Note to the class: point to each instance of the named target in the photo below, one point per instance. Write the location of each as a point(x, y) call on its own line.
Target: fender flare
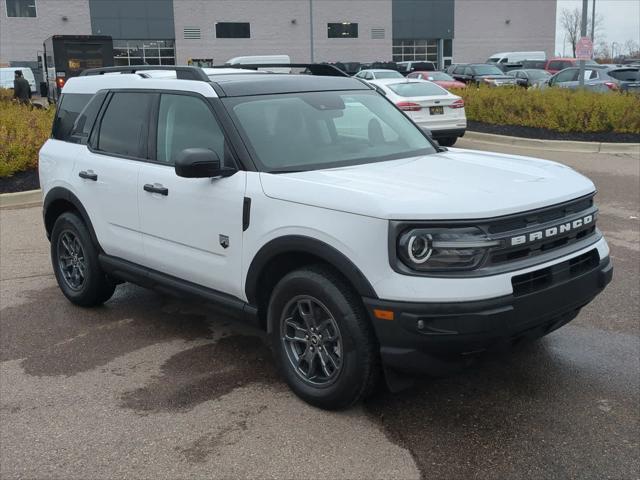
point(61, 193)
point(307, 245)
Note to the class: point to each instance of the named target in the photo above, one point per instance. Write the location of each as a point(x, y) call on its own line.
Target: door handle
point(156, 189)
point(89, 175)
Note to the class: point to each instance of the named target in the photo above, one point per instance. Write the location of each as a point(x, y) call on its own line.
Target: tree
point(571, 21)
point(631, 48)
point(602, 51)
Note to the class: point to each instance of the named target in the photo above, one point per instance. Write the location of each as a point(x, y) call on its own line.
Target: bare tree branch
point(570, 22)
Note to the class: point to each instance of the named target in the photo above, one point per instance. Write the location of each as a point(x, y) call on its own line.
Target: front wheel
point(323, 342)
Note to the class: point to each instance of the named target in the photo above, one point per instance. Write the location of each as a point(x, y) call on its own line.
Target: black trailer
point(65, 56)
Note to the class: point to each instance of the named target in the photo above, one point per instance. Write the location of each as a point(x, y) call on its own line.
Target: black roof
point(237, 85)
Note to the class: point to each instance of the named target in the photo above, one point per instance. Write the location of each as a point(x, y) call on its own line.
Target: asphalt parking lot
point(151, 387)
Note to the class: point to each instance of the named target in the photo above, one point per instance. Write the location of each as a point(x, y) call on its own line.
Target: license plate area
point(436, 110)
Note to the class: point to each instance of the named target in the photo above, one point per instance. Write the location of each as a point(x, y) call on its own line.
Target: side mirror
point(200, 163)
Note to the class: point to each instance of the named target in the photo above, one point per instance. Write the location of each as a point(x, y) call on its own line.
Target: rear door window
point(69, 107)
point(125, 124)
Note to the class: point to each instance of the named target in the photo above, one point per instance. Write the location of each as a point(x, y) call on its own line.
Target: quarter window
point(186, 122)
point(233, 30)
point(124, 125)
point(70, 106)
point(84, 123)
point(21, 8)
point(342, 30)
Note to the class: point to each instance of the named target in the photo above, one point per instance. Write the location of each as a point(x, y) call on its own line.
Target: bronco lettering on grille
point(551, 231)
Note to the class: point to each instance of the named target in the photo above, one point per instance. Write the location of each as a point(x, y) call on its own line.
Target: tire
point(447, 141)
point(74, 258)
point(344, 366)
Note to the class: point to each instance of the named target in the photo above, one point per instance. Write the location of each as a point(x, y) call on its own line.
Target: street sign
point(584, 49)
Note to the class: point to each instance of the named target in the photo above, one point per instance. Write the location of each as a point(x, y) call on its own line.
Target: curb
point(26, 199)
point(557, 145)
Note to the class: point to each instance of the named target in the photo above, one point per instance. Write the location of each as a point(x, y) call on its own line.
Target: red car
point(555, 64)
point(439, 78)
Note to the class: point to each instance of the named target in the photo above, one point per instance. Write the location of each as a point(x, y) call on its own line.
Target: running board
point(167, 284)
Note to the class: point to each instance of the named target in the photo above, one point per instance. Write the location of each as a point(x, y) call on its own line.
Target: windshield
point(493, 60)
point(416, 89)
point(487, 70)
point(314, 130)
point(387, 74)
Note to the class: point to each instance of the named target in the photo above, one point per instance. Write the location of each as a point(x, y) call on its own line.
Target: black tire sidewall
point(346, 389)
point(96, 285)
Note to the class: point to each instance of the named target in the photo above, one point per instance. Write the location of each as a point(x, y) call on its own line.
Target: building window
point(415, 50)
point(342, 30)
point(233, 30)
point(144, 52)
point(21, 8)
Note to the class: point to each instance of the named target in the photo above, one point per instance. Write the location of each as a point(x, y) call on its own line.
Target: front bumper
point(448, 132)
point(423, 334)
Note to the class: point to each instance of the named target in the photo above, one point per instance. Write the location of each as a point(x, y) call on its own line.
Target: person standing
point(21, 88)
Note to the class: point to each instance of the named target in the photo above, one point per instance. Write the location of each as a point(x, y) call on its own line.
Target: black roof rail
point(319, 69)
point(183, 72)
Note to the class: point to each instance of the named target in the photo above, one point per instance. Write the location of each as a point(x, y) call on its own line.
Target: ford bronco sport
point(313, 208)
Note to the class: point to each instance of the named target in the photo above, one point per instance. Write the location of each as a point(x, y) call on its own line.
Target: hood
point(457, 184)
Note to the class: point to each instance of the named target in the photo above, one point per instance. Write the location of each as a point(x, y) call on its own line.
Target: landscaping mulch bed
point(20, 182)
point(544, 134)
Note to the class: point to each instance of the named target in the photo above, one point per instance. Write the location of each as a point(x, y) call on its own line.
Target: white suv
point(315, 209)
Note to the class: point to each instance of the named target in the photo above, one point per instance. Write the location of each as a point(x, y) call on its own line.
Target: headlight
point(443, 249)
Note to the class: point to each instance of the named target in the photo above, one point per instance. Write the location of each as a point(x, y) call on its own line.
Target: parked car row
point(481, 74)
point(598, 78)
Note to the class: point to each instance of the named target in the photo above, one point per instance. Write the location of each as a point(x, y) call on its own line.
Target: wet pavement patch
point(538, 412)
point(229, 435)
point(204, 373)
point(55, 337)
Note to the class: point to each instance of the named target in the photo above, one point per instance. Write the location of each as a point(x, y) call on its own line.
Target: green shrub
point(553, 108)
point(23, 130)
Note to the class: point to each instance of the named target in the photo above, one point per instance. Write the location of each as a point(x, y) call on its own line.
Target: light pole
point(593, 21)
point(311, 28)
point(583, 33)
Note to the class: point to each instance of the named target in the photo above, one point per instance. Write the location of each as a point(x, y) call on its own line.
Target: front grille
point(548, 219)
point(544, 215)
point(499, 257)
point(545, 277)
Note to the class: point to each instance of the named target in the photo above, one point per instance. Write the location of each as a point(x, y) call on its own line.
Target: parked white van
point(7, 75)
point(262, 59)
point(515, 57)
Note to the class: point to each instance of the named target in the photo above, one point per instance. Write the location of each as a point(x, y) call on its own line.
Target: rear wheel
point(447, 141)
point(323, 342)
point(75, 263)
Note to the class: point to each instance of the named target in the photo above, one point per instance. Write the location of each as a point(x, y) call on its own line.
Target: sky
point(620, 20)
